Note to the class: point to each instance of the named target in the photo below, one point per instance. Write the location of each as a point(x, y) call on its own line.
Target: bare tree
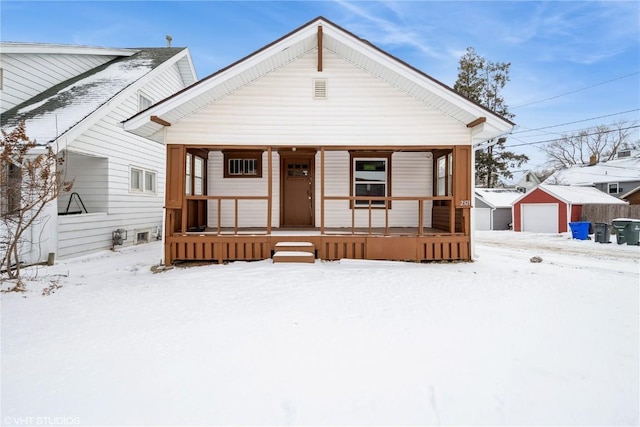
point(29, 181)
point(597, 144)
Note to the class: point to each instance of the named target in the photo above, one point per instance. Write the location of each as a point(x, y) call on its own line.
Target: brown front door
point(296, 176)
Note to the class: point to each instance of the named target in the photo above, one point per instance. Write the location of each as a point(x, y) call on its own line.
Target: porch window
point(613, 188)
point(444, 175)
point(370, 176)
point(10, 188)
point(195, 175)
point(142, 180)
point(243, 164)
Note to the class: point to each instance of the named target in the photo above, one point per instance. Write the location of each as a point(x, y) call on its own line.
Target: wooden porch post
point(270, 189)
point(322, 190)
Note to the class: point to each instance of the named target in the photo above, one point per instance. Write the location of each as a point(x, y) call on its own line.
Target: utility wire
point(574, 91)
point(577, 121)
point(555, 139)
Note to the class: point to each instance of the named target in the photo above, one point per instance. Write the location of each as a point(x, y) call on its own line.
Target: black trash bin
point(602, 234)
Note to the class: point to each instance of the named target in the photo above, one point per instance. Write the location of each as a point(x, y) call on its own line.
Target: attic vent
point(625, 153)
point(320, 89)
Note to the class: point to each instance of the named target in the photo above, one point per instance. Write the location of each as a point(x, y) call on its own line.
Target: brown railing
point(352, 199)
point(387, 202)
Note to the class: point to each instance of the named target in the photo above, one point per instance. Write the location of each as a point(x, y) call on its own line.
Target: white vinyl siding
point(26, 75)
point(361, 110)
point(110, 151)
point(411, 176)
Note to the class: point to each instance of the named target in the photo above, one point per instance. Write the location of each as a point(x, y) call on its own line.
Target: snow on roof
point(581, 195)
point(616, 170)
point(498, 197)
point(58, 109)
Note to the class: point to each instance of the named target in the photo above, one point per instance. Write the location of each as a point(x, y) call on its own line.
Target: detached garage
point(550, 208)
point(492, 208)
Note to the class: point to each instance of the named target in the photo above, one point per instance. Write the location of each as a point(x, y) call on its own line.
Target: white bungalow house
point(321, 141)
point(74, 98)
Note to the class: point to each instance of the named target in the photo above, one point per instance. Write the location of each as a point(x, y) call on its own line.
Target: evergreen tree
point(482, 81)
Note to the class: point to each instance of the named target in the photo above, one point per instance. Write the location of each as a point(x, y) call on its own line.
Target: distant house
point(614, 177)
point(524, 181)
point(321, 141)
point(550, 208)
point(493, 208)
point(74, 98)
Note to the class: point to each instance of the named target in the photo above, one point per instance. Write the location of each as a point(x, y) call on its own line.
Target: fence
point(607, 213)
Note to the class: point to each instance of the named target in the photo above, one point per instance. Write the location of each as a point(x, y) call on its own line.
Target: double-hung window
point(142, 180)
point(613, 188)
point(10, 188)
point(444, 175)
point(370, 173)
point(195, 175)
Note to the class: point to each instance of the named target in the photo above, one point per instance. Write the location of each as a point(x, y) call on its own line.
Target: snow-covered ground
point(499, 341)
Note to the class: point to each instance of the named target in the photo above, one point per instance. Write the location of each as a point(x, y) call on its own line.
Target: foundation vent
point(320, 89)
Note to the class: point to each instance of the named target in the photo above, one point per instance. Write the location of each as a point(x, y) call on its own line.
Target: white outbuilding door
point(539, 217)
point(483, 219)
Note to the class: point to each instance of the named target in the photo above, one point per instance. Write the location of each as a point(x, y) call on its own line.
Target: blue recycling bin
point(580, 230)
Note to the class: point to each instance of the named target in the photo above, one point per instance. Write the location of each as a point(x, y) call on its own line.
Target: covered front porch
point(346, 203)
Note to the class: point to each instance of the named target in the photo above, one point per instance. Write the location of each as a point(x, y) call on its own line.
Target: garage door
point(540, 217)
point(483, 218)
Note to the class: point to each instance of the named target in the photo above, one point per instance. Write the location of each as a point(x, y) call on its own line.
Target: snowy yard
point(499, 341)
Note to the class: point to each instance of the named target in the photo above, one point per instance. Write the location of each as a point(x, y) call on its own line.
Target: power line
point(555, 139)
point(574, 91)
point(577, 121)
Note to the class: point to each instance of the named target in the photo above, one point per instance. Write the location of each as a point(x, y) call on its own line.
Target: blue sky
point(573, 63)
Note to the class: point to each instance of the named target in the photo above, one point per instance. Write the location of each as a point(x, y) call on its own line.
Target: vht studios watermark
point(41, 421)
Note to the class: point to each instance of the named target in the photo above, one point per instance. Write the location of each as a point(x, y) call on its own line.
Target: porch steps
point(294, 252)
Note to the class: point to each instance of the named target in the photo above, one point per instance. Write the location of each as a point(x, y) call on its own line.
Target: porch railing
point(370, 207)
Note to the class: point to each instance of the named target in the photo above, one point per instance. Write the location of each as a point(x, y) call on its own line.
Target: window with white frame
point(142, 180)
point(144, 101)
point(371, 176)
point(194, 175)
point(613, 188)
point(444, 175)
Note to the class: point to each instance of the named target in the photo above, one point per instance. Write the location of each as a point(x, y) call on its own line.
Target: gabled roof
point(497, 197)
point(54, 112)
point(340, 42)
point(617, 170)
point(629, 193)
point(575, 195)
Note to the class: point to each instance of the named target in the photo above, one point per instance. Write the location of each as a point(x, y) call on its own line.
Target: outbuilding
point(550, 208)
point(493, 209)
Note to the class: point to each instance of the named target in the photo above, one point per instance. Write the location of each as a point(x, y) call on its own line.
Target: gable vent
point(320, 89)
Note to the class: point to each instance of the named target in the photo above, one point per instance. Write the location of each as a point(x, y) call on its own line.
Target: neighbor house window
point(144, 102)
point(195, 175)
point(444, 175)
point(242, 164)
point(142, 180)
point(613, 188)
point(10, 188)
point(370, 176)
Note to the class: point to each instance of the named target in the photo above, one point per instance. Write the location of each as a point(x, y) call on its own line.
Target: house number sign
point(465, 202)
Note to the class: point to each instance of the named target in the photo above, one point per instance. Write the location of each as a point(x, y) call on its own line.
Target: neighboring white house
point(522, 181)
point(75, 98)
point(493, 208)
point(615, 177)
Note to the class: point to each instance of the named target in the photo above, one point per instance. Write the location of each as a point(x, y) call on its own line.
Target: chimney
point(169, 38)
point(593, 160)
